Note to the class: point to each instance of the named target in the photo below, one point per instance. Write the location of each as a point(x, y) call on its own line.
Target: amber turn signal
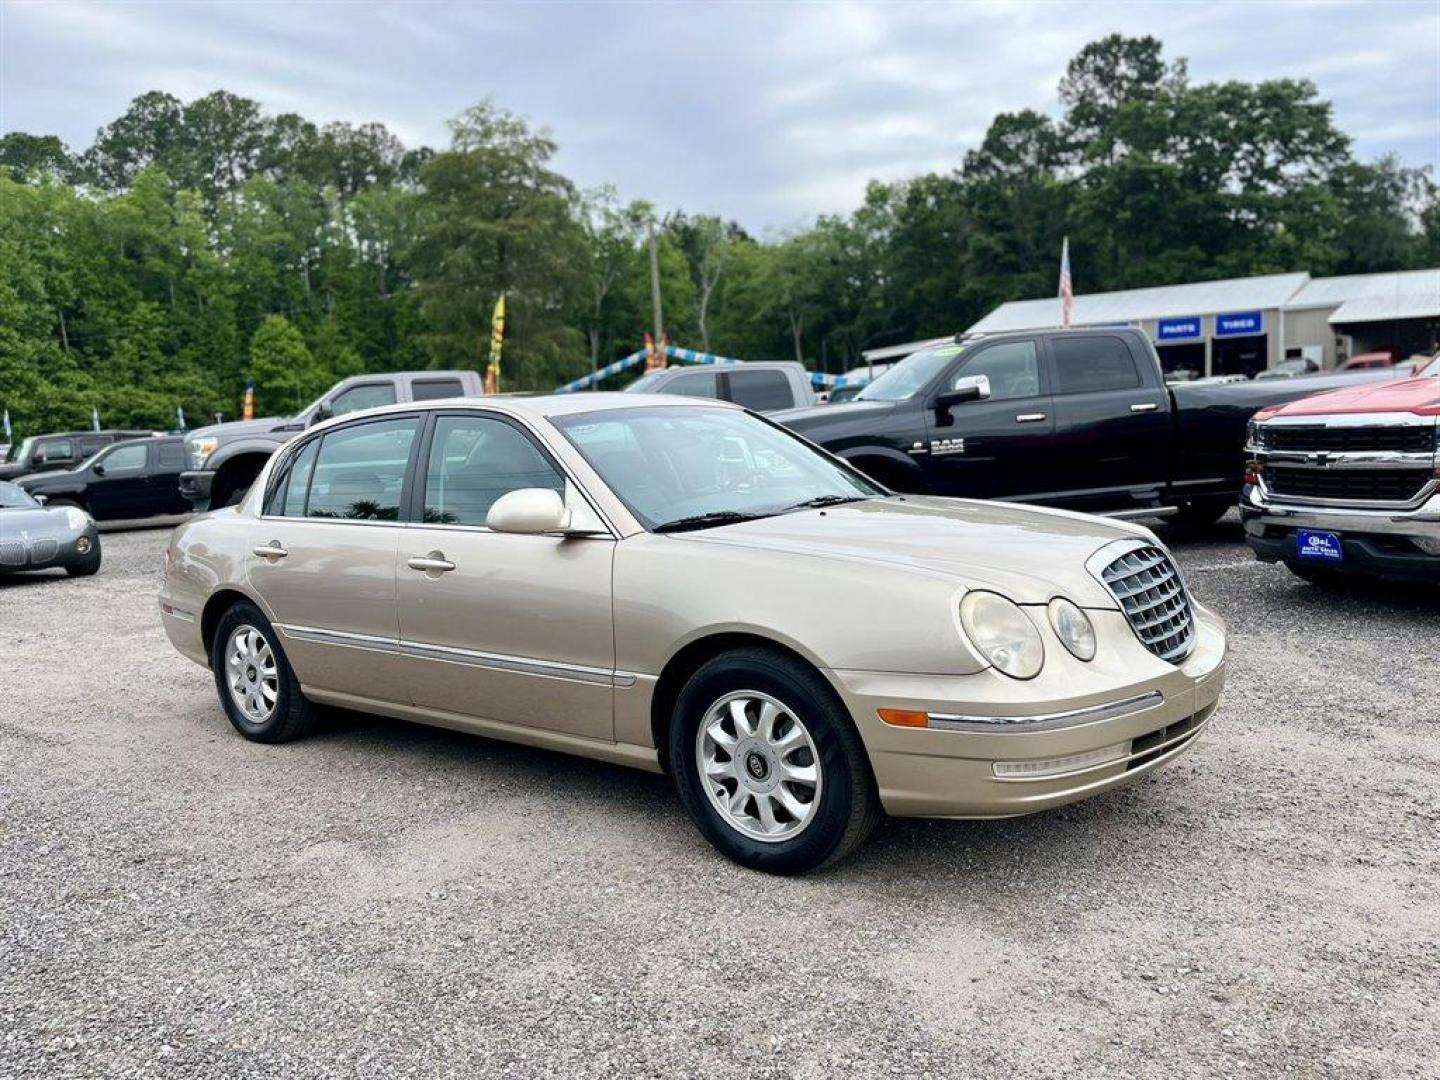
point(904, 717)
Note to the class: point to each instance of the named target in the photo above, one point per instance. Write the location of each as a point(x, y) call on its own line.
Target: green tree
point(286, 375)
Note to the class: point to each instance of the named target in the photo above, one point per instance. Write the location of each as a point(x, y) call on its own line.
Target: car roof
point(544, 406)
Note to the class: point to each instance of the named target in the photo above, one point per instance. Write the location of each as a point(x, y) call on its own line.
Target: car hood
point(818, 416)
point(236, 429)
point(35, 523)
point(1399, 395)
point(51, 478)
point(1027, 553)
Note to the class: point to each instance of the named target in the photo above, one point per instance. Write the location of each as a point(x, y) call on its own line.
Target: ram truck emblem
point(947, 446)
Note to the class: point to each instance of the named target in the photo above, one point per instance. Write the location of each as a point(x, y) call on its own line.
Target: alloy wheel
point(251, 674)
point(759, 766)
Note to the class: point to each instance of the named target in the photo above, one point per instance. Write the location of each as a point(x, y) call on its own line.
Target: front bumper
point(1380, 543)
point(195, 486)
point(22, 553)
point(1079, 728)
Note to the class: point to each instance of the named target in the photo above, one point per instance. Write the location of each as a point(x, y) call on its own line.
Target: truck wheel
point(769, 764)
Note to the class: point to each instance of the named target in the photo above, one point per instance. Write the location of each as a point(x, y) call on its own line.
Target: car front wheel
point(769, 764)
point(257, 686)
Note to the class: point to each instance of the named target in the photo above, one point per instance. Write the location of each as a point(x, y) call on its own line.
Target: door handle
point(434, 563)
point(272, 550)
point(1144, 406)
point(1030, 418)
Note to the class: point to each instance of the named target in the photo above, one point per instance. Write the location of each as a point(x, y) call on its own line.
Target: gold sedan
point(686, 587)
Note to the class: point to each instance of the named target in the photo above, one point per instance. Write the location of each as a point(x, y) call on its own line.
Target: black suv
point(59, 450)
point(135, 479)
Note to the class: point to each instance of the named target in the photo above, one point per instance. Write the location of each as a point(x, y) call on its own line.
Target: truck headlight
point(201, 449)
point(1002, 634)
point(1072, 626)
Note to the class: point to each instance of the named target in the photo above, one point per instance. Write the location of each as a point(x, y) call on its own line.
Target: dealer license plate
point(1318, 546)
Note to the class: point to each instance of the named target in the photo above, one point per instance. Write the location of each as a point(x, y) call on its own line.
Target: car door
point(1112, 424)
point(498, 626)
point(119, 482)
point(995, 446)
point(169, 463)
point(322, 556)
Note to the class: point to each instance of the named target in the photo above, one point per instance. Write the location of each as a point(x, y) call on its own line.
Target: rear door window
point(762, 391)
point(171, 455)
point(705, 384)
point(359, 472)
point(434, 389)
point(364, 396)
point(1091, 364)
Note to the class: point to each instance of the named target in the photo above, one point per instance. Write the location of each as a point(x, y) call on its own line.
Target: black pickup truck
point(1080, 419)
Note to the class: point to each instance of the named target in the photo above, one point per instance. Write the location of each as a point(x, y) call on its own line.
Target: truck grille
point(1154, 599)
point(1402, 439)
point(1372, 485)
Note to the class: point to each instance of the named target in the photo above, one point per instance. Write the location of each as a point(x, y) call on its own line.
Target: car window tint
point(1013, 368)
point(761, 390)
point(54, 449)
point(124, 459)
point(288, 496)
point(171, 455)
point(359, 471)
point(369, 396)
point(474, 460)
point(1090, 364)
point(693, 384)
point(432, 389)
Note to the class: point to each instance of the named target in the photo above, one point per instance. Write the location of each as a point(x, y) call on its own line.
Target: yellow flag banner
point(497, 339)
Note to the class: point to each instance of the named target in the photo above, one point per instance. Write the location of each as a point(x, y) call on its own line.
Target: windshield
point(911, 375)
point(21, 450)
point(14, 497)
point(673, 463)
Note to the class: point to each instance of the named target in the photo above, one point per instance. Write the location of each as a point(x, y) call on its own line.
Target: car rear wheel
point(257, 686)
point(769, 764)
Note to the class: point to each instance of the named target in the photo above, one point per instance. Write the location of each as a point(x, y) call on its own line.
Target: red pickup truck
point(1349, 482)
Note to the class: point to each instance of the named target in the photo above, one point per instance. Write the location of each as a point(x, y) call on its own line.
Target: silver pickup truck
point(224, 459)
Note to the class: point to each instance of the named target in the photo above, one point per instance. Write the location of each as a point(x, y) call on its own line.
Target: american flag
point(1067, 292)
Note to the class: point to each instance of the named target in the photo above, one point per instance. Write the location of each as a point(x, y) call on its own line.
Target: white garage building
point(1242, 325)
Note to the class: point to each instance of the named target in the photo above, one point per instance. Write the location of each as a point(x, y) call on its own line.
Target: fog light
point(83, 545)
point(1044, 768)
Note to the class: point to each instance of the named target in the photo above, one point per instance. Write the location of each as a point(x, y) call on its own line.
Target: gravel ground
point(388, 900)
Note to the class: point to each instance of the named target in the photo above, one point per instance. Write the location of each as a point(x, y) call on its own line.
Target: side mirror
point(98, 469)
point(529, 510)
point(965, 388)
point(322, 412)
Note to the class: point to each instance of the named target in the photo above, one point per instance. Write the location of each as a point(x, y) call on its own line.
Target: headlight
point(1072, 627)
point(76, 518)
point(201, 449)
point(1254, 435)
point(1002, 633)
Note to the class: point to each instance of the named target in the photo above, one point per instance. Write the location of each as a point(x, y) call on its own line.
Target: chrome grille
point(1373, 485)
point(44, 549)
point(12, 553)
point(1153, 597)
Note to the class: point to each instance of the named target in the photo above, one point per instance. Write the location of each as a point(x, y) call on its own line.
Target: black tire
point(848, 807)
point(87, 566)
point(291, 716)
point(1201, 513)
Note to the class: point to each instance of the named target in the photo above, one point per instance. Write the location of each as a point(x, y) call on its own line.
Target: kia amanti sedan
point(685, 587)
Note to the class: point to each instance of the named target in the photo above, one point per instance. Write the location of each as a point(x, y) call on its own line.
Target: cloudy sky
point(766, 112)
